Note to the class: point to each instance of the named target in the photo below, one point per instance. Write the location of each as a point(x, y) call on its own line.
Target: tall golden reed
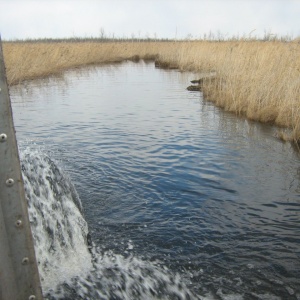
point(31, 60)
point(254, 78)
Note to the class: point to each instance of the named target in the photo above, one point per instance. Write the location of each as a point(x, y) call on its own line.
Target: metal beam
point(19, 277)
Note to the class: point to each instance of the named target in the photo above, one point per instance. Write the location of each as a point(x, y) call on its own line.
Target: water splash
point(70, 266)
point(58, 226)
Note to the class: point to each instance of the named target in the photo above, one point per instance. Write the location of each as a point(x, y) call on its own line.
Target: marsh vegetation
point(259, 79)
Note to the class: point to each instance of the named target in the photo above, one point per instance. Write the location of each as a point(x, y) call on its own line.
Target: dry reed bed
point(258, 79)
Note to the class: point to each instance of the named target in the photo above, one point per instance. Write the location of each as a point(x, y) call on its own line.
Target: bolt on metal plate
point(25, 261)
point(10, 182)
point(18, 223)
point(3, 137)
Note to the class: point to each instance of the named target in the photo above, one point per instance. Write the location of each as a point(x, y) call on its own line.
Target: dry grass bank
point(258, 79)
point(32, 60)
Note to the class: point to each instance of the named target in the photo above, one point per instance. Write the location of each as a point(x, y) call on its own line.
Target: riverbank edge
point(66, 58)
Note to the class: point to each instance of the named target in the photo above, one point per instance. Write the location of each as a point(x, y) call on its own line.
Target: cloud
point(165, 18)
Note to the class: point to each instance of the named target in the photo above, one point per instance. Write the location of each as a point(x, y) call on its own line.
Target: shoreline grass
point(258, 79)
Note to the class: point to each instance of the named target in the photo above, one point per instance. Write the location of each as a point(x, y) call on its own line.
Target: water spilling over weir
point(70, 267)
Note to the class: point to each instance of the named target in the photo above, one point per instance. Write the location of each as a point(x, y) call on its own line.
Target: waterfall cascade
point(70, 266)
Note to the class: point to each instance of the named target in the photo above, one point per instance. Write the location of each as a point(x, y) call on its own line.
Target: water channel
point(139, 189)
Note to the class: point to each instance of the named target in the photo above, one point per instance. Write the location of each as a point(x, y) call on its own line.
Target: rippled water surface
point(165, 176)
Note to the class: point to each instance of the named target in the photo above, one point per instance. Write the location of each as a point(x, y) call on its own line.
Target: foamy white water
point(59, 229)
point(70, 267)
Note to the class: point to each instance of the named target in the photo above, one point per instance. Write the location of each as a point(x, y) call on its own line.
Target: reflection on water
point(164, 175)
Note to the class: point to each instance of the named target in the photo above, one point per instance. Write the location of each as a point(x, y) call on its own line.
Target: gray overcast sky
point(162, 18)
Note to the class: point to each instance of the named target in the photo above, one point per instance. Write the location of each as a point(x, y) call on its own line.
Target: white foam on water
point(229, 297)
point(58, 227)
point(72, 268)
point(69, 267)
point(266, 297)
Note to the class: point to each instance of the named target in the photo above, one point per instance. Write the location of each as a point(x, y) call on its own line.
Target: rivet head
point(3, 137)
point(10, 182)
point(25, 261)
point(18, 223)
point(31, 297)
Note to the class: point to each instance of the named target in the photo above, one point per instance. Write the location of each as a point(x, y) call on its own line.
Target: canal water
point(139, 189)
